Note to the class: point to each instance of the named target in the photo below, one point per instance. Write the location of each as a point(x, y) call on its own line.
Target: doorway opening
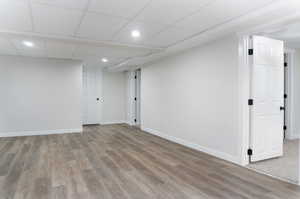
point(137, 97)
point(271, 142)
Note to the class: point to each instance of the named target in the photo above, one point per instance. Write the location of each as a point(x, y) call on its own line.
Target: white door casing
point(138, 97)
point(267, 91)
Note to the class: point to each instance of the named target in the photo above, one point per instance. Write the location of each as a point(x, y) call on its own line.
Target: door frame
point(134, 91)
point(244, 83)
point(138, 97)
point(290, 115)
point(245, 93)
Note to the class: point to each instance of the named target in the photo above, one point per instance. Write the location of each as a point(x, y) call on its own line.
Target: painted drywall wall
point(114, 106)
point(296, 96)
point(192, 98)
point(39, 96)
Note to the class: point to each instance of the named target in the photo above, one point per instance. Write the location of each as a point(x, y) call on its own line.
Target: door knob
point(282, 108)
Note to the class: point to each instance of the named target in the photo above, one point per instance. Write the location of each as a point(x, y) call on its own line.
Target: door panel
point(267, 90)
point(91, 105)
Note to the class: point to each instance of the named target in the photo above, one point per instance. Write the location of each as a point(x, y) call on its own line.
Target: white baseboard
point(44, 132)
point(114, 122)
point(131, 123)
point(197, 147)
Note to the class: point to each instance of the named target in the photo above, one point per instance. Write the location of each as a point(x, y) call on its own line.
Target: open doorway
point(137, 97)
point(270, 133)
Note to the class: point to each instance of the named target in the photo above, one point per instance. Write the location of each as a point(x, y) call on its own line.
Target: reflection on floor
point(285, 167)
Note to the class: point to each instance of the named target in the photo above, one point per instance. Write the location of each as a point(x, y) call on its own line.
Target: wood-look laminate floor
point(121, 162)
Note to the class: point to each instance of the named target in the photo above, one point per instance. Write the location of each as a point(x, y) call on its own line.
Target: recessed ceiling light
point(28, 43)
point(104, 60)
point(135, 34)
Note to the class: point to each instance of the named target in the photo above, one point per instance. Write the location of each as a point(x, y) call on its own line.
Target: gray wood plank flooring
point(123, 162)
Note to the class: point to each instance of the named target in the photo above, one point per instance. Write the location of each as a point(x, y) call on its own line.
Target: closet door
point(268, 94)
point(91, 95)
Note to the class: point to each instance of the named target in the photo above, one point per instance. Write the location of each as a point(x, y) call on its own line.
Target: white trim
point(291, 91)
point(133, 91)
point(115, 122)
point(244, 95)
point(130, 123)
point(130, 97)
point(137, 85)
point(44, 132)
point(197, 147)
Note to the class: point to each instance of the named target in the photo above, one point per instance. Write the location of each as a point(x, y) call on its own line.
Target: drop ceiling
point(89, 30)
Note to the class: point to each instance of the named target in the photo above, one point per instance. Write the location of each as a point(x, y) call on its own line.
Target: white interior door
point(91, 96)
point(267, 91)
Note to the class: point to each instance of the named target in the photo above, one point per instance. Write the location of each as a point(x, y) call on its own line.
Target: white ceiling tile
point(72, 4)
point(219, 12)
point(6, 47)
point(108, 51)
point(169, 11)
point(147, 31)
point(123, 8)
point(84, 57)
point(169, 37)
point(124, 52)
point(62, 50)
point(96, 60)
point(88, 50)
point(54, 20)
point(100, 27)
point(93, 61)
point(15, 15)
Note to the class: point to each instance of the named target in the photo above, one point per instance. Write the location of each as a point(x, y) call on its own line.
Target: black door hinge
point(250, 152)
point(135, 120)
point(284, 127)
point(250, 102)
point(134, 77)
point(285, 64)
point(285, 96)
point(250, 51)
point(135, 99)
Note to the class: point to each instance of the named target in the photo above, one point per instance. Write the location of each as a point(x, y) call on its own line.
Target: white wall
point(192, 98)
point(114, 107)
point(296, 90)
point(39, 96)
